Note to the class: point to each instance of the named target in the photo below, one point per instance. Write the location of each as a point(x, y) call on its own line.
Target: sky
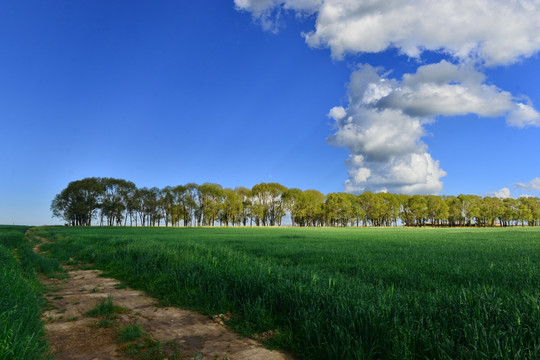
point(414, 97)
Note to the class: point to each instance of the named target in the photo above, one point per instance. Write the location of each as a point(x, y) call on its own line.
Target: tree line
point(114, 202)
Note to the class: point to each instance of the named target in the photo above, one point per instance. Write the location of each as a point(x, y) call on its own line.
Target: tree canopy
point(112, 202)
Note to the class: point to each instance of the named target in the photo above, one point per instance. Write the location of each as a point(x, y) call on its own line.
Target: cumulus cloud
point(382, 125)
point(533, 185)
point(503, 193)
point(387, 153)
point(449, 89)
point(495, 31)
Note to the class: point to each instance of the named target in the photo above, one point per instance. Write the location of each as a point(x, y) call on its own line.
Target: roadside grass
point(338, 293)
point(22, 335)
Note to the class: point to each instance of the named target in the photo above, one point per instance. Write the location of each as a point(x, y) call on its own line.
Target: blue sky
point(237, 93)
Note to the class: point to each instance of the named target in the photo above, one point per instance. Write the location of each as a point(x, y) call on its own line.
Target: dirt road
point(171, 333)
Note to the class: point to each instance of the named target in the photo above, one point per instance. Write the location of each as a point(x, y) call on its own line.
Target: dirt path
point(181, 334)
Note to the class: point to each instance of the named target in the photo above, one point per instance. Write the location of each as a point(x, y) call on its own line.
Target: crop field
point(349, 293)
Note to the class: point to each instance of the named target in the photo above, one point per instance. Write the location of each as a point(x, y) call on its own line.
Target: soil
point(73, 335)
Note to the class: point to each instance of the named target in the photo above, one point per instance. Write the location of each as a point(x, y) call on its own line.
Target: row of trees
point(109, 201)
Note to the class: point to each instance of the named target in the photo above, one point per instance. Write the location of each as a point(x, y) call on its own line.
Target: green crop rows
point(339, 293)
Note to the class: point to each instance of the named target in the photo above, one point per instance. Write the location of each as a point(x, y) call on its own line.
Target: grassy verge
point(21, 331)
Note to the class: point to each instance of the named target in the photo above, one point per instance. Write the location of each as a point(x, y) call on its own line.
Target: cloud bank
point(382, 124)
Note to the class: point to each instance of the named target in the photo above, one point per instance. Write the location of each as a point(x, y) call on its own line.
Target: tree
point(525, 214)
point(167, 204)
point(291, 197)
point(115, 200)
point(78, 202)
point(187, 196)
point(232, 209)
point(443, 212)
point(390, 208)
point(534, 205)
point(469, 207)
point(437, 209)
point(373, 206)
point(210, 197)
point(309, 208)
point(267, 203)
point(509, 212)
point(489, 210)
point(338, 209)
point(245, 196)
point(127, 192)
point(147, 206)
point(111, 201)
point(416, 210)
point(455, 216)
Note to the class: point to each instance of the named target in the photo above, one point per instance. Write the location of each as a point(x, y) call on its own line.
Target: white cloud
point(495, 31)
point(503, 193)
point(409, 173)
point(255, 6)
point(523, 115)
point(259, 6)
point(449, 89)
point(533, 185)
point(268, 12)
point(337, 113)
point(387, 153)
point(382, 124)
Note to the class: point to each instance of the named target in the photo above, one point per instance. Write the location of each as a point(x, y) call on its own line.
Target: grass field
point(339, 293)
point(22, 335)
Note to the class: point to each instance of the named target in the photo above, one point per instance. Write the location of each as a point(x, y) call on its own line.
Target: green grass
point(339, 293)
point(146, 349)
point(130, 333)
point(21, 331)
point(105, 307)
point(106, 311)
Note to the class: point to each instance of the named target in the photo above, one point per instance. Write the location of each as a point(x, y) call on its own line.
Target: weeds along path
point(157, 332)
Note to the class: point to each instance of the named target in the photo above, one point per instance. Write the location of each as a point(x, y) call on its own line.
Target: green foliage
point(113, 201)
point(340, 293)
point(21, 331)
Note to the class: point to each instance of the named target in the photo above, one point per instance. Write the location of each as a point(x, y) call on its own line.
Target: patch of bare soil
point(75, 336)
